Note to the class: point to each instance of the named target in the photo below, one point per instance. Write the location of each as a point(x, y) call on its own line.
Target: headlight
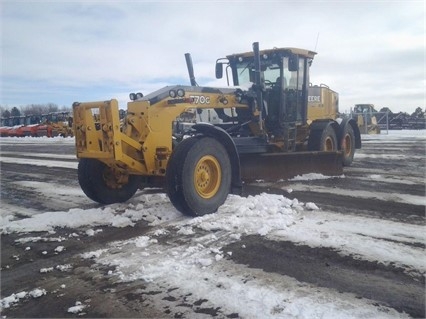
point(139, 95)
point(172, 94)
point(132, 96)
point(180, 92)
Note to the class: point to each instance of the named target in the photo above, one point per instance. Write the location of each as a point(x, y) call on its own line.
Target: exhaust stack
point(190, 67)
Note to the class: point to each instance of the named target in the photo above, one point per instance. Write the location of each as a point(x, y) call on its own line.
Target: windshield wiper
point(249, 63)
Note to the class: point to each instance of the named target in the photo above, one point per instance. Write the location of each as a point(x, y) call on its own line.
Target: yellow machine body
point(267, 131)
point(143, 144)
point(323, 103)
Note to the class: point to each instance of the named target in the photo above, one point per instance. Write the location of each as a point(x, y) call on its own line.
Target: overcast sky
point(65, 51)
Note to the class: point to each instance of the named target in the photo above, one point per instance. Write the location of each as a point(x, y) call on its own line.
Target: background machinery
point(371, 121)
point(365, 115)
point(264, 133)
point(50, 125)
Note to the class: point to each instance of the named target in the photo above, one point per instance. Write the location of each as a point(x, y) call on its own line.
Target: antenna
point(316, 43)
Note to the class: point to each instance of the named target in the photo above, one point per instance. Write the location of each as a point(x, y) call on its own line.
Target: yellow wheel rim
point(207, 177)
point(329, 144)
point(347, 146)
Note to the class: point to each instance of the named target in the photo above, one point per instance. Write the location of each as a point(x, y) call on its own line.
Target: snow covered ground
point(197, 265)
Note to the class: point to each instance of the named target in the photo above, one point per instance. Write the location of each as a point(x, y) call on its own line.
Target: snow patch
point(313, 176)
point(15, 298)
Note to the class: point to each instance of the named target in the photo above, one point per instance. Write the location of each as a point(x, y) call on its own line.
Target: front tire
point(105, 185)
point(198, 176)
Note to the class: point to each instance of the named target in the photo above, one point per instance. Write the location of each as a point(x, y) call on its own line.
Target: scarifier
point(263, 132)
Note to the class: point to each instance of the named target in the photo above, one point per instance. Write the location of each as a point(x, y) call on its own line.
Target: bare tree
point(39, 109)
point(51, 107)
point(32, 109)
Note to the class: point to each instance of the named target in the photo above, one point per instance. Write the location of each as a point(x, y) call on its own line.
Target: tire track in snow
point(190, 257)
point(40, 161)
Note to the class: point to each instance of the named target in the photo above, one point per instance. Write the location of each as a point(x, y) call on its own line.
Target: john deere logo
point(314, 98)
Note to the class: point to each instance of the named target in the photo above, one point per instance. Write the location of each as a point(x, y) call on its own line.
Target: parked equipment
point(50, 125)
point(264, 133)
point(387, 120)
point(365, 115)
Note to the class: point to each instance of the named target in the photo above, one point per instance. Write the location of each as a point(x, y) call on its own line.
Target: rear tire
point(99, 182)
point(198, 176)
point(347, 145)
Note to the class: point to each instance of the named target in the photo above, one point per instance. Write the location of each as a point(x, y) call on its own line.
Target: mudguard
point(223, 137)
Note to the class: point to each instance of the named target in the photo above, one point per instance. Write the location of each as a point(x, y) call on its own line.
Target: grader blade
point(273, 167)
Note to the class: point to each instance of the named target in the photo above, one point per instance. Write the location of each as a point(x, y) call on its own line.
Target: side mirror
point(219, 70)
point(293, 63)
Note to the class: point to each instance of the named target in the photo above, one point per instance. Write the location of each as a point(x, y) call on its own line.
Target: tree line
point(39, 109)
point(418, 113)
point(32, 109)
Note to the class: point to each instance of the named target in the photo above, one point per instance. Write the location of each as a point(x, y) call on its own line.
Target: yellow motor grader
point(264, 134)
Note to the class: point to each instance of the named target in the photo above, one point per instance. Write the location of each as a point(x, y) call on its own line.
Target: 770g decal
point(200, 99)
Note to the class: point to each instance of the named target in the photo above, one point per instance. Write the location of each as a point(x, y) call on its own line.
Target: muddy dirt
point(90, 283)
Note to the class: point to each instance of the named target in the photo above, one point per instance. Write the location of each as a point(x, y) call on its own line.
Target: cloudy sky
point(65, 51)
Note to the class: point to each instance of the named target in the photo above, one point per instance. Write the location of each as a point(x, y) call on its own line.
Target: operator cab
point(284, 76)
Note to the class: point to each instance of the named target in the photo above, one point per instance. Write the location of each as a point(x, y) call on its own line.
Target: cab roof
point(283, 51)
